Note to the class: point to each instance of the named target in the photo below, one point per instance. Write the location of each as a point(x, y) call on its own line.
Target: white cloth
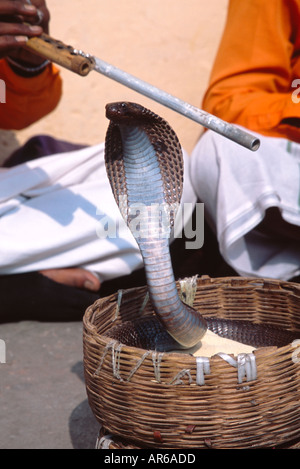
point(59, 211)
point(237, 186)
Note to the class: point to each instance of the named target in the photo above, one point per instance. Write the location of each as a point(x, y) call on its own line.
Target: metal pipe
point(209, 121)
point(82, 63)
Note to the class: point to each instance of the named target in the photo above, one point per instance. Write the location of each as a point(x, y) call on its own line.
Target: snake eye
point(124, 109)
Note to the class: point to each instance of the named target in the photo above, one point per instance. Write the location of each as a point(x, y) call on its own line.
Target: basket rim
point(203, 281)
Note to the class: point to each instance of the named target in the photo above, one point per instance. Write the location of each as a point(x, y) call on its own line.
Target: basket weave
point(106, 440)
point(174, 400)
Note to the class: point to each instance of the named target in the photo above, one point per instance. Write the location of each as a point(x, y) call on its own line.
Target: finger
point(8, 7)
point(19, 29)
point(41, 18)
point(11, 43)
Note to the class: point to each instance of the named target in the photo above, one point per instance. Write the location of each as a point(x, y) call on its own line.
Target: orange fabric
point(257, 61)
point(28, 99)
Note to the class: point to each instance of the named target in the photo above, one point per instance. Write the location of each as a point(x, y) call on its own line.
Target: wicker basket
point(174, 400)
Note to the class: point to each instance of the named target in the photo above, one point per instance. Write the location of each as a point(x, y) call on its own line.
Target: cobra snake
point(144, 165)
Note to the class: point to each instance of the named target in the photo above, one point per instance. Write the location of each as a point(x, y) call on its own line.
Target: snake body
point(144, 165)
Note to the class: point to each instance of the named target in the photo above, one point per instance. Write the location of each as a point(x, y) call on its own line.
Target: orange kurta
point(255, 81)
point(28, 99)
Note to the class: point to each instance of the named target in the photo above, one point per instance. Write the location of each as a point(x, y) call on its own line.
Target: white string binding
point(156, 360)
point(103, 442)
point(177, 379)
point(116, 354)
point(118, 306)
point(203, 368)
point(245, 364)
point(137, 366)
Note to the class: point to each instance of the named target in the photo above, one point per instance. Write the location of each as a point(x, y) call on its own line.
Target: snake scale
point(144, 164)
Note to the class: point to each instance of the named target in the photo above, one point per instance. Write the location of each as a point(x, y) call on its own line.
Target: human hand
point(18, 21)
point(42, 17)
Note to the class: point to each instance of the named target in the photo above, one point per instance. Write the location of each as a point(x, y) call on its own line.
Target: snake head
point(127, 113)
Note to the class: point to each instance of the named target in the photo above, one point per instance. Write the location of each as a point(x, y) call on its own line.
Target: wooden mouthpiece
point(61, 54)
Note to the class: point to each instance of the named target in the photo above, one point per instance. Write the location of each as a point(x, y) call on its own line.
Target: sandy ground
point(168, 43)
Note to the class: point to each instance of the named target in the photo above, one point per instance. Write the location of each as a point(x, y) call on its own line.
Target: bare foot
point(74, 277)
